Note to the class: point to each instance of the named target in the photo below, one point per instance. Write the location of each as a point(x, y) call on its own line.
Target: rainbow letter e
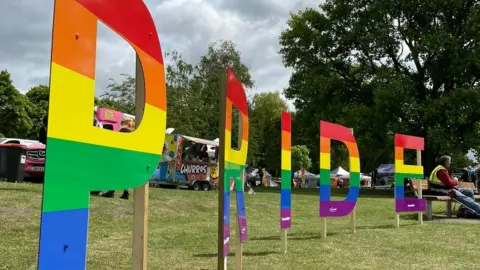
point(234, 159)
point(81, 157)
point(403, 171)
point(328, 208)
point(286, 184)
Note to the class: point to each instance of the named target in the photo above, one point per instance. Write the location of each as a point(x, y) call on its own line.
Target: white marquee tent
point(339, 172)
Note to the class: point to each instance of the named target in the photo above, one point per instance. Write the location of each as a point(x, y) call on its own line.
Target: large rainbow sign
point(403, 171)
point(328, 208)
point(103, 160)
point(234, 159)
point(286, 184)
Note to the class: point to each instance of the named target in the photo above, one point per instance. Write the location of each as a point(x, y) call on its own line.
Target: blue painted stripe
point(240, 204)
point(352, 195)
point(63, 240)
point(399, 192)
point(226, 207)
point(325, 193)
point(286, 198)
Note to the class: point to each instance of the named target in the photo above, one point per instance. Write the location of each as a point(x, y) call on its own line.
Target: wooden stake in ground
point(140, 194)
point(222, 260)
point(353, 214)
point(286, 182)
point(419, 189)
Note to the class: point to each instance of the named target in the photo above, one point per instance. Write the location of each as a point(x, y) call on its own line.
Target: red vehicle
point(35, 158)
point(35, 161)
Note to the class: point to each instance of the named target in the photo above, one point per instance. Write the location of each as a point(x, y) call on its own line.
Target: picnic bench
point(439, 198)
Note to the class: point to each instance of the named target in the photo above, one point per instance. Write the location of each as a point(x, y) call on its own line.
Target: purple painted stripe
point(242, 222)
point(410, 205)
point(226, 239)
point(335, 209)
point(285, 218)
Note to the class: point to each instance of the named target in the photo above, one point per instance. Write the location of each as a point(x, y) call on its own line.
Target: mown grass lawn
point(183, 231)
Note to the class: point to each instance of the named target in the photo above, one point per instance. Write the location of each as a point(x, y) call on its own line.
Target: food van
point(187, 161)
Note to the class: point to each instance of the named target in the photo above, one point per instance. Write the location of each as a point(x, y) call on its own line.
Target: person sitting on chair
point(440, 181)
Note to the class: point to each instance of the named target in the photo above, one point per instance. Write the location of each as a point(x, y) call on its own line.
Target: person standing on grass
point(440, 181)
point(128, 125)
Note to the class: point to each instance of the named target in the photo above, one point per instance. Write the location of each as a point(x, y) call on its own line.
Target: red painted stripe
point(130, 19)
point(409, 142)
point(336, 132)
point(235, 92)
point(286, 122)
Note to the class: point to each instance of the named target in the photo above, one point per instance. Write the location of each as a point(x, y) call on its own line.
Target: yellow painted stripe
point(354, 164)
point(402, 168)
point(71, 116)
point(325, 161)
point(286, 160)
point(238, 157)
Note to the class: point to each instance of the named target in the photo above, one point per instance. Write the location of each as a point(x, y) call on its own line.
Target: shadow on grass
point(364, 193)
point(252, 254)
point(295, 236)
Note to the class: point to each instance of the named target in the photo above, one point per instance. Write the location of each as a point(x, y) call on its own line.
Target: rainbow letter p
point(81, 157)
point(234, 159)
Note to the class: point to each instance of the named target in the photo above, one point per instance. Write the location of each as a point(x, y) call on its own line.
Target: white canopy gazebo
point(340, 172)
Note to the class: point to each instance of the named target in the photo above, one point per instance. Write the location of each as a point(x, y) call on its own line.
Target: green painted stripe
point(325, 177)
point(74, 169)
point(399, 177)
point(286, 179)
point(356, 177)
point(233, 170)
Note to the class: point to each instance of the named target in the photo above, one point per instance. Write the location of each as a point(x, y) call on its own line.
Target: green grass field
point(183, 233)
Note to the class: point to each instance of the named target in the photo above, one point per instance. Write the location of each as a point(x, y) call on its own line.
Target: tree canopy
point(385, 67)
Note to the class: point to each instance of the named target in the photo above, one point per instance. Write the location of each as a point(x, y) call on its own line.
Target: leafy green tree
point(39, 96)
point(385, 67)
point(119, 96)
point(205, 85)
point(265, 131)
point(14, 118)
point(301, 157)
point(38, 99)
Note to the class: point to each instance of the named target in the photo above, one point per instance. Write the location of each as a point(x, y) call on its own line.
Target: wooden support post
point(353, 215)
point(353, 220)
point(419, 186)
point(324, 227)
point(429, 210)
point(238, 249)
point(221, 260)
point(140, 194)
point(283, 239)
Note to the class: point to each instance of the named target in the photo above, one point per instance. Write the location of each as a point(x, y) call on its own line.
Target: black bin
point(12, 162)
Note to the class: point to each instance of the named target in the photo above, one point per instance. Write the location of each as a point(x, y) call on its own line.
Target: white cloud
point(187, 26)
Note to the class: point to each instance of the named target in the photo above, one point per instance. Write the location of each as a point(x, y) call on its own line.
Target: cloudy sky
point(185, 25)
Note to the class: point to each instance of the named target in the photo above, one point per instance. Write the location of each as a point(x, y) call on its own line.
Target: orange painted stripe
point(399, 153)
point(352, 149)
point(154, 74)
point(286, 141)
point(244, 127)
point(229, 120)
point(324, 145)
point(68, 51)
